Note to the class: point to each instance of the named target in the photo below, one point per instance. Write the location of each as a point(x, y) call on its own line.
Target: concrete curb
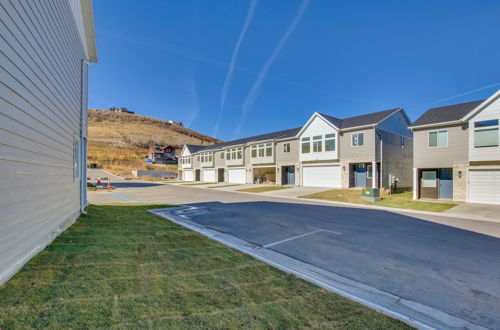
point(407, 311)
point(374, 207)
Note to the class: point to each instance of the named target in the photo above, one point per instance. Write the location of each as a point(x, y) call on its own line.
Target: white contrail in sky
point(459, 95)
point(254, 91)
point(229, 75)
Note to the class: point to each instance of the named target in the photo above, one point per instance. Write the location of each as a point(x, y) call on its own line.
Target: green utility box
point(370, 194)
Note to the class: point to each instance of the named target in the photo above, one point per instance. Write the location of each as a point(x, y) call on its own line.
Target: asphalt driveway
point(449, 269)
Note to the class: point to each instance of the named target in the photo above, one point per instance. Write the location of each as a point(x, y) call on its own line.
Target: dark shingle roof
point(194, 147)
point(445, 114)
point(264, 137)
point(362, 120)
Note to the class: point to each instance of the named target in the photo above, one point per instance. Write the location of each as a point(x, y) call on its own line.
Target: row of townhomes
point(46, 47)
point(370, 150)
point(450, 153)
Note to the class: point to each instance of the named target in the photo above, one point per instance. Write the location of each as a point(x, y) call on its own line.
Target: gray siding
point(396, 160)
point(218, 162)
point(287, 157)
point(457, 150)
point(42, 94)
point(367, 151)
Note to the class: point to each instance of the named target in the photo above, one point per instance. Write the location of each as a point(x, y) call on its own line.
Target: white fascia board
point(314, 116)
point(483, 105)
point(88, 25)
point(357, 128)
point(444, 123)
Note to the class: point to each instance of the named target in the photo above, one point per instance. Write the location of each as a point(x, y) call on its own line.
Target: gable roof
point(446, 114)
point(362, 120)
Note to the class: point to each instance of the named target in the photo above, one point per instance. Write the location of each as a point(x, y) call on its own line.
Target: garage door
point(208, 176)
point(321, 176)
point(188, 176)
point(484, 186)
point(236, 175)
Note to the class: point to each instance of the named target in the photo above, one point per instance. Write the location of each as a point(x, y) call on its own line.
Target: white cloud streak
point(459, 95)
point(254, 91)
point(232, 64)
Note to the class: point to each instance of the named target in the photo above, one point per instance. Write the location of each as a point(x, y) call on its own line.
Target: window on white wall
point(317, 143)
point(330, 142)
point(76, 158)
point(358, 139)
point(286, 147)
point(269, 149)
point(254, 152)
point(486, 133)
point(306, 145)
point(438, 139)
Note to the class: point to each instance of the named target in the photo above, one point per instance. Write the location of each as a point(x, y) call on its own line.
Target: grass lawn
point(199, 183)
point(228, 185)
point(263, 189)
point(120, 266)
point(400, 200)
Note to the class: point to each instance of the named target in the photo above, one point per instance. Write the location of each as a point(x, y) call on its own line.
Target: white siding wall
point(492, 111)
point(41, 101)
point(319, 127)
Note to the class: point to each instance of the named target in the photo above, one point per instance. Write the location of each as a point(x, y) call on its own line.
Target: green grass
point(122, 267)
point(263, 189)
point(228, 185)
point(200, 183)
point(400, 200)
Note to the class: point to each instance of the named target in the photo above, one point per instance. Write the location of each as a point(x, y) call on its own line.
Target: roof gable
point(361, 120)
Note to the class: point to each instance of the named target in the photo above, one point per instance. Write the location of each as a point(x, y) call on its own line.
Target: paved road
point(447, 268)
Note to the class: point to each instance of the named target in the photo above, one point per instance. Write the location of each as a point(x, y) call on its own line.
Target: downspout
point(83, 142)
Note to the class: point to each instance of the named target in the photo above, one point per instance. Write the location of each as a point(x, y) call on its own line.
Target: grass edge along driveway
point(121, 266)
point(400, 200)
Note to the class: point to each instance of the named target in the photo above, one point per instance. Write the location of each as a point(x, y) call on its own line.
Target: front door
point(360, 180)
point(220, 175)
point(289, 173)
point(446, 183)
point(197, 175)
point(429, 184)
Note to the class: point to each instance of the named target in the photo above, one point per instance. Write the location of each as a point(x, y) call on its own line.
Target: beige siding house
point(325, 152)
point(456, 152)
point(45, 50)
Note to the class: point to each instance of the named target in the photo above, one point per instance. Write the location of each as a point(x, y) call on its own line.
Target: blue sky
point(262, 66)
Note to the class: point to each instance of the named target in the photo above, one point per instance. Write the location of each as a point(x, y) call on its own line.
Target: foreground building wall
point(43, 100)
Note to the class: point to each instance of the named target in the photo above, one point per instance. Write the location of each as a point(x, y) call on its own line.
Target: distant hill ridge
point(118, 141)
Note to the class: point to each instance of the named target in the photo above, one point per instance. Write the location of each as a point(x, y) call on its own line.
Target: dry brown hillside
point(118, 141)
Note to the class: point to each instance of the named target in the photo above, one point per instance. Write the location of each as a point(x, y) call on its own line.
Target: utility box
point(370, 194)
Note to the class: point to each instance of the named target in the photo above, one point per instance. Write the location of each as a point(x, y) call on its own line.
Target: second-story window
point(239, 153)
point(222, 155)
point(358, 139)
point(254, 152)
point(269, 149)
point(317, 143)
point(306, 145)
point(260, 149)
point(486, 133)
point(330, 142)
point(286, 147)
point(438, 139)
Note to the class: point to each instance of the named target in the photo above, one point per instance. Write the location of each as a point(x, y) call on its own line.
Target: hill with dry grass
point(118, 142)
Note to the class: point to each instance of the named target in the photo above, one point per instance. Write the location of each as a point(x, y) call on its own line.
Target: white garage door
point(484, 186)
point(208, 176)
point(236, 175)
point(321, 176)
point(188, 176)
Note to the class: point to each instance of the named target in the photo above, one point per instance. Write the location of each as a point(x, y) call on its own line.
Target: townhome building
point(372, 150)
point(457, 154)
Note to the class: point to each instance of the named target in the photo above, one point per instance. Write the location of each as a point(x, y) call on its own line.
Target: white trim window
point(318, 143)
point(369, 171)
point(438, 139)
point(486, 133)
point(357, 139)
point(262, 150)
point(306, 145)
point(330, 142)
point(222, 155)
point(234, 153)
point(286, 148)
